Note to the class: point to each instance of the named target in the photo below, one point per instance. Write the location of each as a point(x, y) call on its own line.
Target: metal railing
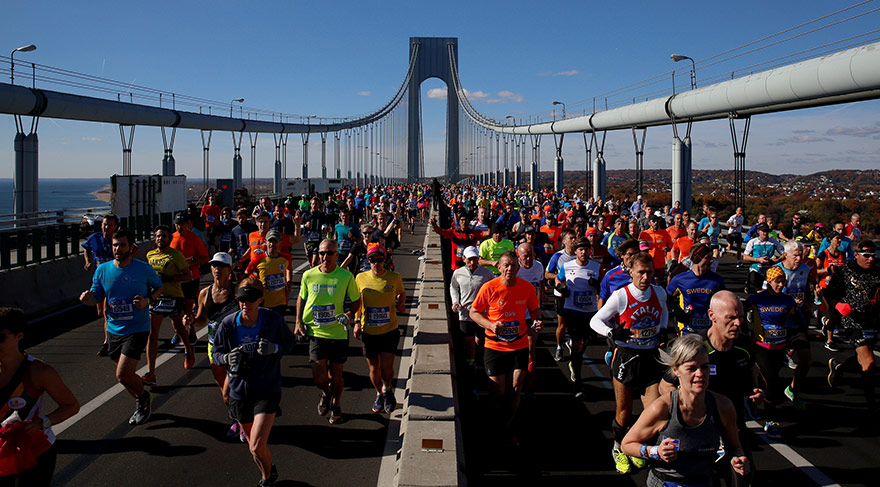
point(48, 217)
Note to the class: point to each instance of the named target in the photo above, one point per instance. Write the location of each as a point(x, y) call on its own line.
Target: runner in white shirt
point(734, 234)
point(532, 271)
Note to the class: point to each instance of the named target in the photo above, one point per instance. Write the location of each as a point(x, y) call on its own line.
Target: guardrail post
point(5, 250)
point(62, 241)
point(37, 245)
point(51, 240)
point(21, 240)
point(74, 238)
point(59, 217)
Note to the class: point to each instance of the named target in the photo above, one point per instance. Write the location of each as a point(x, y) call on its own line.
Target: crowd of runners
point(638, 278)
point(642, 279)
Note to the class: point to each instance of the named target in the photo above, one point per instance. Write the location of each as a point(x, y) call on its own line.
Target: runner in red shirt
point(211, 215)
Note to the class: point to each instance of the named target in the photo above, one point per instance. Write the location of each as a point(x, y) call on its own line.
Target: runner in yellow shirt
point(173, 268)
point(383, 297)
point(275, 271)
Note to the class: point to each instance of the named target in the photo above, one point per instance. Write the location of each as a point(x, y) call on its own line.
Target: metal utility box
point(147, 194)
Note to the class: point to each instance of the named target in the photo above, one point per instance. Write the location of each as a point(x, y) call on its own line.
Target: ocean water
point(57, 194)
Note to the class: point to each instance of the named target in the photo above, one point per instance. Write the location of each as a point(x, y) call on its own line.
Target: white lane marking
point(117, 388)
point(388, 465)
point(793, 457)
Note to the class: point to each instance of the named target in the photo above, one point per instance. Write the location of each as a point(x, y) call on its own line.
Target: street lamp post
point(678, 57)
point(234, 100)
point(27, 48)
point(563, 107)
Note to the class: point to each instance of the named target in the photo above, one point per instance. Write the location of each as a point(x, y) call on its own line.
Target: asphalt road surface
point(184, 443)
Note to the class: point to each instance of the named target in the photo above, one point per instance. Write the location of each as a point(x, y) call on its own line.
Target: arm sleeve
point(454, 290)
point(221, 344)
point(561, 274)
point(664, 317)
point(601, 321)
point(97, 288)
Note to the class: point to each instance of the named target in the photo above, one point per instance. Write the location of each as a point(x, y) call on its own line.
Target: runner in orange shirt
point(502, 308)
point(676, 231)
point(196, 254)
point(659, 243)
point(552, 230)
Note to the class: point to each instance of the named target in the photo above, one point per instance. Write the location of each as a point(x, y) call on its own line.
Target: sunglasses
point(377, 260)
point(326, 252)
point(867, 253)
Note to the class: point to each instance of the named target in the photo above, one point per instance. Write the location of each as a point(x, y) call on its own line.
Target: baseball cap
point(471, 252)
point(644, 245)
point(654, 218)
point(592, 231)
point(376, 249)
point(498, 228)
point(528, 229)
point(221, 258)
point(833, 234)
point(181, 218)
point(763, 227)
point(273, 234)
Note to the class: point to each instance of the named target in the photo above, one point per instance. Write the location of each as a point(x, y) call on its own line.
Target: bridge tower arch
point(433, 61)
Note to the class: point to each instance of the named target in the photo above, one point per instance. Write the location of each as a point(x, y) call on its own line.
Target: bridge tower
point(433, 61)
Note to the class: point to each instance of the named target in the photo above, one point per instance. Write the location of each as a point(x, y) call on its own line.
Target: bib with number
point(164, 305)
point(324, 315)
point(378, 316)
point(121, 309)
point(275, 282)
point(582, 299)
point(313, 236)
point(508, 332)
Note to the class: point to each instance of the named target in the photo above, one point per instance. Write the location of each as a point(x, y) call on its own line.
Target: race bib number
point(164, 305)
point(869, 333)
point(582, 299)
point(379, 316)
point(344, 245)
point(701, 322)
point(209, 218)
point(459, 252)
point(324, 315)
point(275, 282)
point(313, 236)
point(644, 333)
point(226, 238)
point(508, 332)
point(121, 309)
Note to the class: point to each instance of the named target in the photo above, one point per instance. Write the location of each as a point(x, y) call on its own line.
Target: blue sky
point(339, 59)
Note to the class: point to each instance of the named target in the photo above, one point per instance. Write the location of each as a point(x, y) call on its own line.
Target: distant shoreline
point(102, 194)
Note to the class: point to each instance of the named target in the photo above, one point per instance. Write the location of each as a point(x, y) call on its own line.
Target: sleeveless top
point(698, 447)
point(25, 400)
point(643, 319)
point(217, 311)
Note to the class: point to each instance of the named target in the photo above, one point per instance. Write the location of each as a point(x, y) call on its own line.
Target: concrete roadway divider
point(430, 407)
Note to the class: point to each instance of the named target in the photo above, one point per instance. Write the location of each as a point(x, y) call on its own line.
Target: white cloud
point(364, 93)
point(437, 93)
point(510, 96)
point(91, 139)
point(855, 131)
point(476, 95)
point(801, 139)
point(570, 72)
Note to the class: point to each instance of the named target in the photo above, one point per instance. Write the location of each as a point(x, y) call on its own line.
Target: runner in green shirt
point(320, 315)
point(492, 248)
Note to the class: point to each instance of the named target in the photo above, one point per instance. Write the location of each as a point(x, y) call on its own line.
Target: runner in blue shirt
point(689, 293)
point(128, 285)
point(97, 250)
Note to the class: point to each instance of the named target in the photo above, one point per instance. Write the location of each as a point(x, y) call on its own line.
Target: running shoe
point(193, 339)
point(390, 402)
point(189, 360)
point(149, 379)
point(831, 347)
point(791, 359)
point(746, 290)
point(638, 462)
point(795, 398)
point(834, 372)
point(621, 461)
point(572, 375)
point(323, 405)
point(568, 345)
point(175, 340)
point(739, 263)
point(233, 430)
point(143, 410)
point(104, 350)
point(751, 409)
point(335, 415)
point(379, 403)
point(558, 355)
point(771, 429)
point(273, 477)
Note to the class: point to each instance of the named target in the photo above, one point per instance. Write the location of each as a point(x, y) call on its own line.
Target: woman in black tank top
point(694, 426)
point(215, 303)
